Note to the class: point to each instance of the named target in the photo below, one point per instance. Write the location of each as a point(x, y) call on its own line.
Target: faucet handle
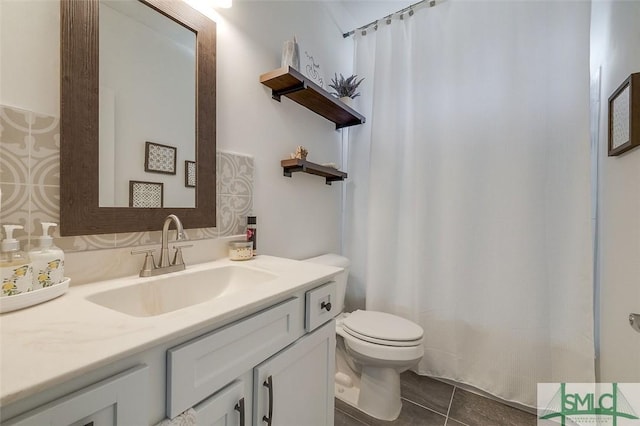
point(177, 257)
point(149, 264)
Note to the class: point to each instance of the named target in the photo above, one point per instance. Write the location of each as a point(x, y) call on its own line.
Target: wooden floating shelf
point(292, 84)
point(296, 165)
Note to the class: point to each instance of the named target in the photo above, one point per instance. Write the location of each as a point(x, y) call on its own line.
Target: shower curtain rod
point(388, 17)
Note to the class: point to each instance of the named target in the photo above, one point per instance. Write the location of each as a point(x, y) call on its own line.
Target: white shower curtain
point(468, 198)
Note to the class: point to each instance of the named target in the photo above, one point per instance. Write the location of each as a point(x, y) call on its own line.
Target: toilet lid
point(382, 328)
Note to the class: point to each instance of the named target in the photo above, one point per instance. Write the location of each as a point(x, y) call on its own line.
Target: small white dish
point(23, 300)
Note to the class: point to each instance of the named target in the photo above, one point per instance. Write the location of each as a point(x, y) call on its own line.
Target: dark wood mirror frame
point(80, 213)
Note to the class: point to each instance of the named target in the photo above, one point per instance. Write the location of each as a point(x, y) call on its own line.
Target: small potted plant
point(345, 88)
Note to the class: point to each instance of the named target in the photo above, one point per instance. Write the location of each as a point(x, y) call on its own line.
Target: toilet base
point(347, 394)
point(380, 392)
point(377, 393)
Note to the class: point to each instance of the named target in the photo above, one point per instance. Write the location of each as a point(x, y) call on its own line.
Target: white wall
point(614, 47)
point(298, 216)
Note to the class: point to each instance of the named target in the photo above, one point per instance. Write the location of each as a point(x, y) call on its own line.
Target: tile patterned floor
point(429, 402)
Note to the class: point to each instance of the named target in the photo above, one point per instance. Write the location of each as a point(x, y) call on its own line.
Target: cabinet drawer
point(122, 399)
point(319, 304)
point(199, 368)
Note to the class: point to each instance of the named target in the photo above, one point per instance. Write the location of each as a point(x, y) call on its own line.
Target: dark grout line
point(423, 407)
point(446, 416)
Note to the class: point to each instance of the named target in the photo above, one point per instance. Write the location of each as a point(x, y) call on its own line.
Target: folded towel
point(188, 418)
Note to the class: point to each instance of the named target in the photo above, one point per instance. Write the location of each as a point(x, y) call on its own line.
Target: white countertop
point(59, 340)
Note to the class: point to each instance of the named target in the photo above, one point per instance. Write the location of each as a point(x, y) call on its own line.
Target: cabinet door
point(119, 400)
point(226, 408)
point(295, 386)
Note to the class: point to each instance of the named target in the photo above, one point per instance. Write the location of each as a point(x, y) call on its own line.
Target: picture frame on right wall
point(624, 116)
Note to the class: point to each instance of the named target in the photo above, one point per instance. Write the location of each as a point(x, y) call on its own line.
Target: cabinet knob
point(326, 305)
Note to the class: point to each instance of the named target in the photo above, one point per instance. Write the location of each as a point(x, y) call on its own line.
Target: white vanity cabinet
point(199, 368)
point(278, 375)
point(218, 370)
point(294, 387)
point(118, 400)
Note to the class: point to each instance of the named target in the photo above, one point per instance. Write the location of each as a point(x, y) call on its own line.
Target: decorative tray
point(23, 300)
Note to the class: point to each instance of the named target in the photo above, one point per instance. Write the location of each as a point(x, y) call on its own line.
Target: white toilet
point(373, 348)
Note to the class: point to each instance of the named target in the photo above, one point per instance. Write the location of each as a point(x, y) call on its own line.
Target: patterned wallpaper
point(30, 186)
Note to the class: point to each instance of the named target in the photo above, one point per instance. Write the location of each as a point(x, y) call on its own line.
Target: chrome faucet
point(180, 235)
point(165, 265)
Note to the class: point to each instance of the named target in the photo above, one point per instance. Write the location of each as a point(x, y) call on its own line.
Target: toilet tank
point(340, 279)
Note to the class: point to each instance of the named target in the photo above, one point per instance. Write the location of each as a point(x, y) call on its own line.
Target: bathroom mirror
point(161, 83)
point(81, 212)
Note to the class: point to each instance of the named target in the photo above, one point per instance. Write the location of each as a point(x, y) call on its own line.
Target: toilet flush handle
point(326, 305)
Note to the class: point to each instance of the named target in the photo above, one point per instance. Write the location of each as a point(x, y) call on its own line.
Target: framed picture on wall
point(146, 194)
point(190, 174)
point(624, 116)
point(160, 158)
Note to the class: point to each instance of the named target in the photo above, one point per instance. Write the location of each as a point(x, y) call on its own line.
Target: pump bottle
point(48, 260)
point(16, 271)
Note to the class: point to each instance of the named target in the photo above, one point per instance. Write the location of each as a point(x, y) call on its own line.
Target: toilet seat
point(393, 343)
point(379, 354)
point(382, 329)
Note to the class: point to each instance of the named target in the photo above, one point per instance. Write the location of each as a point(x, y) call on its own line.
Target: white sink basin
point(163, 294)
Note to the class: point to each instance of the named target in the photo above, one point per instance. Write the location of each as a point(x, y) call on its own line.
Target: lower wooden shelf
point(297, 165)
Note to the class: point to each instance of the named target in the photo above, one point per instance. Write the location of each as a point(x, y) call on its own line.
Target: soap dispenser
point(16, 271)
point(48, 260)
